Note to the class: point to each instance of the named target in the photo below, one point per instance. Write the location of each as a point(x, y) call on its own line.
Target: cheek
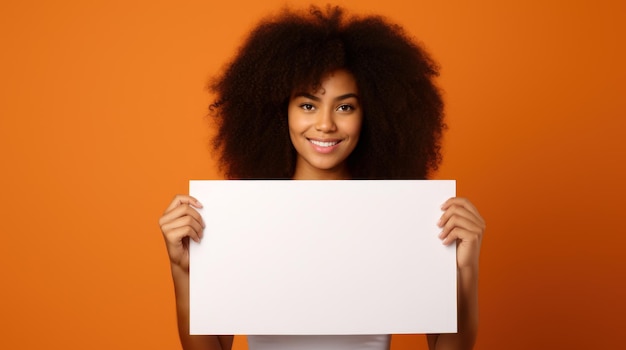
point(353, 127)
point(294, 120)
point(295, 126)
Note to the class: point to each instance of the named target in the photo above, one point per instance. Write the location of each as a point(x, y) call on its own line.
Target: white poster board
point(322, 257)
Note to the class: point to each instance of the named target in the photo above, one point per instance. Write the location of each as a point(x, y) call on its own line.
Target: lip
point(324, 146)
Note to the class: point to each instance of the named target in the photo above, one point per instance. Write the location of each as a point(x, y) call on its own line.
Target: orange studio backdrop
point(102, 121)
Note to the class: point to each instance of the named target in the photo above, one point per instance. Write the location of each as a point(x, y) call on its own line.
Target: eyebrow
point(315, 98)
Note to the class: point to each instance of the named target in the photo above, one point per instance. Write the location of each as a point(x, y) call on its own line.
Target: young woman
point(317, 95)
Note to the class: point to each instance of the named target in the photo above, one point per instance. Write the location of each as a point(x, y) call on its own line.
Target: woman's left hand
point(462, 223)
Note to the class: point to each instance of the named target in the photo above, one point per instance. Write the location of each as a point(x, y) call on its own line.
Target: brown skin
point(462, 223)
point(180, 223)
point(332, 114)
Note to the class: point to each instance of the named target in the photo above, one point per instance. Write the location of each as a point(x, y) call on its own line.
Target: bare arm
point(467, 301)
point(462, 223)
point(193, 342)
point(179, 223)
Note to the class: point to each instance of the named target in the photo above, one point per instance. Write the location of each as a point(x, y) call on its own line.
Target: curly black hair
point(402, 107)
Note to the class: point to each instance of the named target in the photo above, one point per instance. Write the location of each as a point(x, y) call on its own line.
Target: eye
point(345, 108)
point(307, 106)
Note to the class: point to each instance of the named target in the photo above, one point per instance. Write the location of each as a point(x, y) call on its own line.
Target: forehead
point(335, 82)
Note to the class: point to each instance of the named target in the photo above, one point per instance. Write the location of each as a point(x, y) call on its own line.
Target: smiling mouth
point(324, 143)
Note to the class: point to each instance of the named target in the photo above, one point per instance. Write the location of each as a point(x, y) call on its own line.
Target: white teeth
point(323, 143)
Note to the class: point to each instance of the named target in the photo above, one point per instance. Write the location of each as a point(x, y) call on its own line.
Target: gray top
point(319, 342)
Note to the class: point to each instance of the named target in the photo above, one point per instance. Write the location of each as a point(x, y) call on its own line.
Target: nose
point(325, 121)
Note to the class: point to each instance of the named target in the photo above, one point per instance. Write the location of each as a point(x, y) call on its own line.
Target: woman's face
point(324, 126)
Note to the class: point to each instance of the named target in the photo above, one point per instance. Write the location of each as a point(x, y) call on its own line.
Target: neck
point(318, 174)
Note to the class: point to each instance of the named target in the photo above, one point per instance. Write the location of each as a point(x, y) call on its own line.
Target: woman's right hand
point(179, 223)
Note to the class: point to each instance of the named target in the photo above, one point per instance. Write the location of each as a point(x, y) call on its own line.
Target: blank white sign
point(322, 257)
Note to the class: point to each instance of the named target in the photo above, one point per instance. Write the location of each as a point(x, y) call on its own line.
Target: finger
point(461, 201)
point(182, 222)
point(459, 222)
point(181, 211)
point(175, 241)
point(176, 236)
point(449, 238)
point(181, 199)
point(461, 235)
point(456, 210)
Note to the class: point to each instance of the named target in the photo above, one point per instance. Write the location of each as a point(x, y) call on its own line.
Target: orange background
point(102, 108)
